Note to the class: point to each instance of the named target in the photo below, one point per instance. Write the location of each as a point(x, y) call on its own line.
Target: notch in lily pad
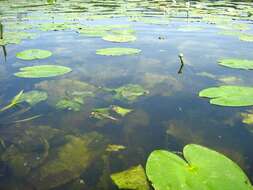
point(201, 168)
point(32, 54)
point(229, 95)
point(42, 71)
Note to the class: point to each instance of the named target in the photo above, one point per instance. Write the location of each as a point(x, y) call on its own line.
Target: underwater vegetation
point(87, 86)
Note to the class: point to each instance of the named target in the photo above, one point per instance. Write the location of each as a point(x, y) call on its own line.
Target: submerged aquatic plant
point(202, 168)
point(133, 178)
point(33, 54)
point(42, 71)
point(33, 97)
point(117, 51)
point(229, 95)
point(15, 101)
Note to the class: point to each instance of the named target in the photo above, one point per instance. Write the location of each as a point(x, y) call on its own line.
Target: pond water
point(60, 139)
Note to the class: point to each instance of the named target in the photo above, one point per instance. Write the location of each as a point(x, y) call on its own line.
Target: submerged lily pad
point(42, 71)
point(33, 97)
point(32, 54)
point(248, 117)
point(121, 111)
point(237, 63)
point(202, 168)
point(67, 94)
point(103, 113)
point(133, 178)
point(117, 51)
point(119, 38)
point(229, 95)
point(130, 92)
point(115, 148)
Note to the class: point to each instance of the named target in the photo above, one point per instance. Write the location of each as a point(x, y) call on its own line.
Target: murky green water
point(59, 144)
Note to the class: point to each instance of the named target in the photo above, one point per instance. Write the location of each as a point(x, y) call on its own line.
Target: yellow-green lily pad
point(33, 97)
point(202, 168)
point(229, 95)
point(32, 54)
point(117, 51)
point(42, 71)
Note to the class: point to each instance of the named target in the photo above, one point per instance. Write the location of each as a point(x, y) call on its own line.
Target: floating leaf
point(32, 54)
point(203, 169)
point(119, 38)
point(33, 97)
point(117, 51)
point(42, 71)
point(121, 111)
point(229, 95)
point(133, 178)
point(237, 63)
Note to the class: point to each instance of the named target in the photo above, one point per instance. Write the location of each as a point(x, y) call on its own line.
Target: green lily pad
point(130, 92)
point(69, 105)
point(202, 168)
point(229, 95)
point(246, 37)
point(237, 63)
point(32, 54)
point(42, 71)
point(133, 178)
point(119, 38)
point(117, 51)
point(33, 97)
point(248, 117)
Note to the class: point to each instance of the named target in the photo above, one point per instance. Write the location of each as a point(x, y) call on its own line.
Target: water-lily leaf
point(246, 37)
point(33, 97)
point(237, 63)
point(121, 111)
point(130, 92)
point(202, 168)
point(229, 95)
point(133, 178)
point(119, 38)
point(117, 51)
point(32, 54)
point(248, 117)
point(42, 71)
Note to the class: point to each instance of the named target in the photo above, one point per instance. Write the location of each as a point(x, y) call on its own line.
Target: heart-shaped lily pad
point(229, 95)
point(204, 169)
point(32, 54)
point(42, 71)
point(237, 63)
point(117, 51)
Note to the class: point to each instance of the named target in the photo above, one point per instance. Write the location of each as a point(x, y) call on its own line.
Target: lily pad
point(119, 38)
point(102, 113)
point(42, 71)
point(202, 168)
point(133, 178)
point(237, 63)
point(33, 97)
point(130, 92)
point(32, 54)
point(69, 105)
point(229, 95)
point(248, 117)
point(117, 51)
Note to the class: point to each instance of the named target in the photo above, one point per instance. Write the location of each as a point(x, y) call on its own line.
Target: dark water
point(169, 117)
